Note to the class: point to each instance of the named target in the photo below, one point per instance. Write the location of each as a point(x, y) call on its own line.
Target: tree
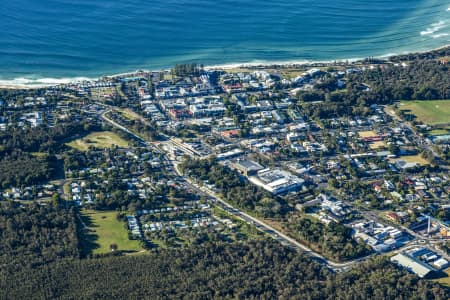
point(333, 183)
point(56, 200)
point(113, 247)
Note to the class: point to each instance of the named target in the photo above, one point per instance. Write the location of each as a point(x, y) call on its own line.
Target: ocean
point(50, 41)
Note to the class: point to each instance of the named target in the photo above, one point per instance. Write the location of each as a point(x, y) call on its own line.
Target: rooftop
point(412, 264)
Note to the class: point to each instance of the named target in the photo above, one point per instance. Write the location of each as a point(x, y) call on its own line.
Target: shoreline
point(27, 83)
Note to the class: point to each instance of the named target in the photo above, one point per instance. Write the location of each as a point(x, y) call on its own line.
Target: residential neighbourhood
point(379, 175)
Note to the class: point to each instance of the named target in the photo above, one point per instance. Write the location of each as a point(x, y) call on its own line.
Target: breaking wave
point(435, 27)
point(39, 82)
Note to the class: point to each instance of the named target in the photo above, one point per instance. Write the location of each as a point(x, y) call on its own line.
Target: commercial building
point(247, 167)
point(412, 264)
point(277, 181)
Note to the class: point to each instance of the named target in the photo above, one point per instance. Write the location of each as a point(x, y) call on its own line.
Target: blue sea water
point(71, 38)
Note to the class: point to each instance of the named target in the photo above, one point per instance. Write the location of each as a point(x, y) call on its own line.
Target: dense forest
point(21, 168)
point(257, 270)
point(420, 80)
point(433, 54)
point(34, 235)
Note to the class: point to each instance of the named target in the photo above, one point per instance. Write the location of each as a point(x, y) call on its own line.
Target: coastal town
point(195, 154)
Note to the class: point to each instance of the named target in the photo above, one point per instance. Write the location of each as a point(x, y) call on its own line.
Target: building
point(412, 264)
point(232, 133)
point(337, 208)
point(295, 115)
point(134, 227)
point(230, 154)
point(206, 107)
point(247, 167)
point(441, 263)
point(277, 181)
point(401, 164)
point(380, 237)
point(178, 113)
point(393, 217)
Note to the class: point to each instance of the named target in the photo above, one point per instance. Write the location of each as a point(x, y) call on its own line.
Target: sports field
point(99, 140)
point(103, 230)
point(429, 112)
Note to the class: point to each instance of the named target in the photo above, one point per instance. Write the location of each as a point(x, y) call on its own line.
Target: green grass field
point(429, 112)
point(439, 132)
point(100, 140)
point(104, 230)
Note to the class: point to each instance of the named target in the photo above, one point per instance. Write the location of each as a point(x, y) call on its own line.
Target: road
point(123, 128)
point(271, 231)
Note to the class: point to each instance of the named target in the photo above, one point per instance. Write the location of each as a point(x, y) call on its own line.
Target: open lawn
point(439, 132)
point(290, 73)
point(428, 112)
point(414, 159)
point(103, 230)
point(129, 114)
point(100, 140)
